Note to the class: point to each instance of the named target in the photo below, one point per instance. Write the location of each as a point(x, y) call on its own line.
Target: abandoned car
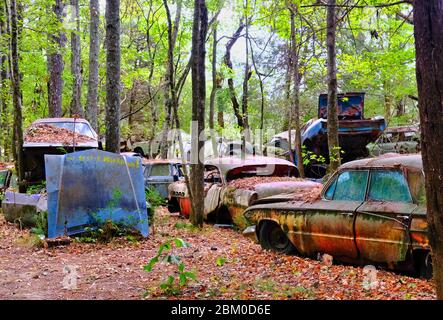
point(355, 131)
point(52, 136)
point(159, 174)
point(232, 184)
point(371, 211)
point(403, 139)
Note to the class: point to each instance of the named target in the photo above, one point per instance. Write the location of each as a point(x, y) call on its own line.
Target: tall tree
point(94, 50)
point(171, 94)
point(428, 22)
point(247, 76)
point(3, 82)
point(199, 31)
point(334, 150)
point(214, 89)
point(56, 65)
point(296, 93)
point(76, 67)
point(113, 75)
point(16, 97)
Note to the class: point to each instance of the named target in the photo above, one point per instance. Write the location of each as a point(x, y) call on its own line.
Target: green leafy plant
point(155, 200)
point(221, 261)
point(175, 282)
point(36, 189)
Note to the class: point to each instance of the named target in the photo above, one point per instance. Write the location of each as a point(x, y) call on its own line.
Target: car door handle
point(349, 214)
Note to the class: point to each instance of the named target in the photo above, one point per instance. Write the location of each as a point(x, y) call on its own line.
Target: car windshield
point(80, 127)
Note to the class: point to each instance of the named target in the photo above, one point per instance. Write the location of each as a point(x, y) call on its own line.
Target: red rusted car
point(232, 184)
point(371, 211)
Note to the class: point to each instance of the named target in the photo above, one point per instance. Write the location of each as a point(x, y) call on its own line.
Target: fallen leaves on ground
point(46, 133)
point(251, 182)
point(227, 266)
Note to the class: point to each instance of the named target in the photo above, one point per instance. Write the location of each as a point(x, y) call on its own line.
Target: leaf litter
point(227, 266)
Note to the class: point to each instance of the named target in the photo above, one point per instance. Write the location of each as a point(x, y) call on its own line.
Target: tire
point(272, 237)
point(173, 206)
point(223, 216)
point(425, 267)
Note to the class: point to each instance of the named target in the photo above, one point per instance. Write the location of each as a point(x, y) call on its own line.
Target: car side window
point(389, 185)
point(351, 186)
point(329, 194)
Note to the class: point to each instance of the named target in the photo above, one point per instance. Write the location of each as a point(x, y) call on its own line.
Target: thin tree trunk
point(113, 75)
point(76, 67)
point(428, 22)
point(171, 99)
point(55, 66)
point(94, 50)
point(296, 95)
point(247, 75)
point(214, 90)
point(198, 110)
point(16, 97)
point(228, 63)
point(3, 77)
point(333, 144)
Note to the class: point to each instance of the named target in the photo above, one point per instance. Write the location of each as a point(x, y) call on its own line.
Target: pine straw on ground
point(46, 133)
point(114, 270)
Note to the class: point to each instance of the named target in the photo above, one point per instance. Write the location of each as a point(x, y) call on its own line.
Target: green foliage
point(221, 261)
point(36, 189)
point(174, 283)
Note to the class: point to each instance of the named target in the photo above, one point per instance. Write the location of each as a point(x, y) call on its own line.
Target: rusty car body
point(228, 192)
point(34, 152)
point(401, 139)
point(31, 198)
point(370, 211)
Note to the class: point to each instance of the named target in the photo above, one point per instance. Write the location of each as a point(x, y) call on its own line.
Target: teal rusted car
point(371, 211)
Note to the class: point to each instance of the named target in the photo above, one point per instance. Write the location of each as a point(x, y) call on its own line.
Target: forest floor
point(226, 265)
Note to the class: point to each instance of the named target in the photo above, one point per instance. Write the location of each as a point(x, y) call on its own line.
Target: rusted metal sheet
point(89, 187)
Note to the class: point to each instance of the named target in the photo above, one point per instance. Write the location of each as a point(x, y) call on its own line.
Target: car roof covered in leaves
point(225, 164)
point(388, 160)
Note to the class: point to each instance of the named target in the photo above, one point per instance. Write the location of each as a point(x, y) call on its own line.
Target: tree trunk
point(296, 96)
point(228, 63)
point(333, 144)
point(94, 50)
point(214, 90)
point(16, 97)
point(198, 109)
point(113, 75)
point(428, 22)
point(247, 75)
point(76, 67)
point(3, 92)
point(55, 66)
point(171, 100)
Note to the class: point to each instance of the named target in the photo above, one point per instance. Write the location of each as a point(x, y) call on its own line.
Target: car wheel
point(273, 238)
point(173, 206)
point(426, 266)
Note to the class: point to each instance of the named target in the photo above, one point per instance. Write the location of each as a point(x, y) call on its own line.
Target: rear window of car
point(389, 185)
point(160, 170)
point(349, 186)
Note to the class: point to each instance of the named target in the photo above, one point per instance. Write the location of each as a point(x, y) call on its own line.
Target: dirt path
point(244, 271)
